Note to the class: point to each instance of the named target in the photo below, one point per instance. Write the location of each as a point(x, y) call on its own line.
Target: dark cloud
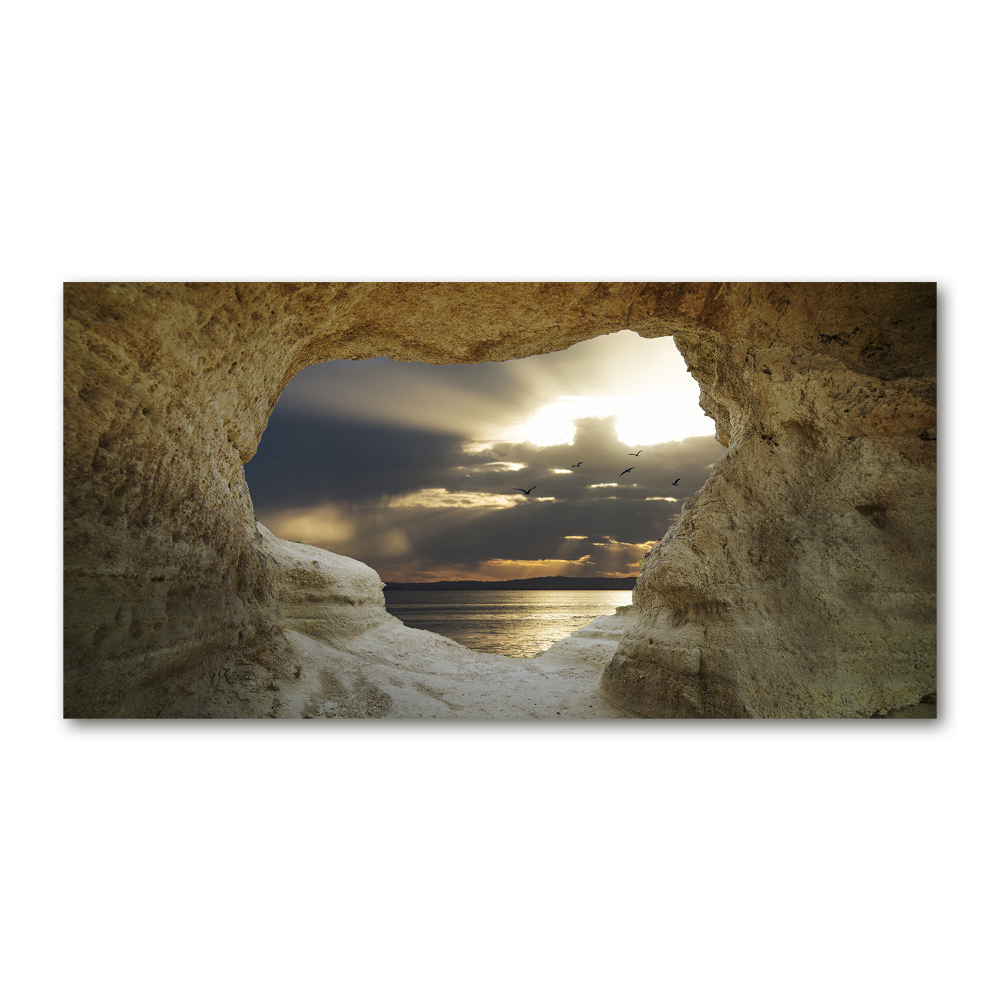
point(305, 459)
point(468, 400)
point(406, 488)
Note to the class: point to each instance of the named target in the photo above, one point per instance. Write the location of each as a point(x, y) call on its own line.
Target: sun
point(644, 383)
point(643, 419)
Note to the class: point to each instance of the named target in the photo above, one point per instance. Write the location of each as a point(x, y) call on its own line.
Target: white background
point(548, 141)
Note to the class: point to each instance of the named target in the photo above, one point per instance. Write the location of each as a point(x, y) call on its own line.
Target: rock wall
point(800, 581)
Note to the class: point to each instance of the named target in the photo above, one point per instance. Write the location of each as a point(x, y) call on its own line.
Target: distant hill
point(534, 583)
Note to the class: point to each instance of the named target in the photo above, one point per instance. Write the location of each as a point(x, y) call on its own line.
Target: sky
point(414, 468)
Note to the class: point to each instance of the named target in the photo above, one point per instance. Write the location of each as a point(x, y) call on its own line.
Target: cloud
point(331, 527)
point(455, 528)
point(304, 459)
point(323, 525)
point(466, 400)
point(439, 497)
point(492, 467)
point(521, 569)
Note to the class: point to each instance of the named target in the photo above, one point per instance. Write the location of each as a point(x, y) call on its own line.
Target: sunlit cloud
point(499, 569)
point(324, 524)
point(330, 527)
point(521, 569)
point(581, 538)
point(445, 498)
point(524, 569)
point(495, 466)
point(477, 448)
point(622, 557)
point(595, 486)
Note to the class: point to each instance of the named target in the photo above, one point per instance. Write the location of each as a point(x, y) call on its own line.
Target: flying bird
point(577, 466)
point(636, 453)
point(627, 470)
point(674, 483)
point(525, 492)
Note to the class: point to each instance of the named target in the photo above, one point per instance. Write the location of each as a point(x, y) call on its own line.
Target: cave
point(799, 582)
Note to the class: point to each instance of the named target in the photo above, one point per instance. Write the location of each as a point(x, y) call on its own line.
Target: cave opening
point(800, 581)
point(422, 472)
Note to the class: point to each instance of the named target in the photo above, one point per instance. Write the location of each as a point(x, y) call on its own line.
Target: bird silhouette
point(675, 482)
point(525, 492)
point(577, 466)
point(627, 470)
point(636, 453)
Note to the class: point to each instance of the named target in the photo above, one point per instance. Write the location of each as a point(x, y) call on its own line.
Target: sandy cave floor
point(392, 671)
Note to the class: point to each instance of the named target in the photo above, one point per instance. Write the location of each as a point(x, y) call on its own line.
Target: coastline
point(533, 583)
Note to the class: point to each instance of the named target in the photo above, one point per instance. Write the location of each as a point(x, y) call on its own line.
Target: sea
point(509, 622)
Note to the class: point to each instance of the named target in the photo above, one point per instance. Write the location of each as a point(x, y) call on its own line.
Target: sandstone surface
point(799, 582)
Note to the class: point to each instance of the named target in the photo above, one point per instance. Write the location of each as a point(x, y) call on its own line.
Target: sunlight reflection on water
point(510, 622)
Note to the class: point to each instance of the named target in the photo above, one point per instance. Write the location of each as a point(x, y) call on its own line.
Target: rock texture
point(800, 581)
